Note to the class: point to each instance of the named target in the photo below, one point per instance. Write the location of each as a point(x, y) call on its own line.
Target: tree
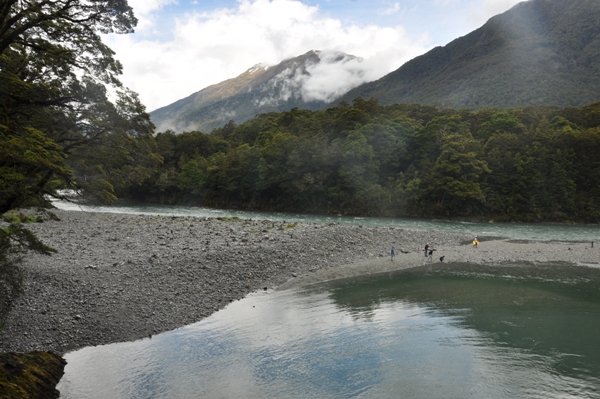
point(456, 174)
point(58, 127)
point(55, 74)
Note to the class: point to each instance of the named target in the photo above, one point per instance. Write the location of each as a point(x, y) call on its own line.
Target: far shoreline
point(482, 219)
point(411, 223)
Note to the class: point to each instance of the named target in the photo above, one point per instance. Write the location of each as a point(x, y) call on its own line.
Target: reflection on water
point(457, 331)
point(517, 231)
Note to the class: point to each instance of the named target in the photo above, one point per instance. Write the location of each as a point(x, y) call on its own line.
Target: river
point(516, 231)
point(446, 332)
point(443, 331)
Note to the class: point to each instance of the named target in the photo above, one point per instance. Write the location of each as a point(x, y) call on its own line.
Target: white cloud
point(145, 9)
point(207, 48)
point(329, 79)
point(392, 9)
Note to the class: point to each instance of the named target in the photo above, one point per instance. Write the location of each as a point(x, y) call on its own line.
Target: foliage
point(526, 164)
point(56, 121)
point(58, 127)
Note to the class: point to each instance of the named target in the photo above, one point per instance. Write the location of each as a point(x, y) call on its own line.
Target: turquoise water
point(442, 331)
point(517, 231)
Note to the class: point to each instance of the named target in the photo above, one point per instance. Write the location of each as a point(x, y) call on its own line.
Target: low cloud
point(332, 78)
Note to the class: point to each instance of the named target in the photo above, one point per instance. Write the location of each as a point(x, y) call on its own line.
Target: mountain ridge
point(532, 54)
point(540, 52)
point(259, 89)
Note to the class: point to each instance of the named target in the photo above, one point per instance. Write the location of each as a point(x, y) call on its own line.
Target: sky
point(182, 46)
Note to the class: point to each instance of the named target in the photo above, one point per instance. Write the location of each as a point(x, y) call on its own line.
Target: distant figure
point(442, 258)
point(475, 242)
point(430, 254)
point(392, 253)
point(426, 250)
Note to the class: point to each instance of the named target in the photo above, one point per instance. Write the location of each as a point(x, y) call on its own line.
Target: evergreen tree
point(58, 129)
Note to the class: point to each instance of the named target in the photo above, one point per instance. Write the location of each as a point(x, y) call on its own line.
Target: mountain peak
point(258, 67)
point(307, 81)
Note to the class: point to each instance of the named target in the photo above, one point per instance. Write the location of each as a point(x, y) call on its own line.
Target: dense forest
point(529, 164)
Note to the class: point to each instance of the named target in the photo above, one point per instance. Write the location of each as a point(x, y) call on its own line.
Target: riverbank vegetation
point(530, 164)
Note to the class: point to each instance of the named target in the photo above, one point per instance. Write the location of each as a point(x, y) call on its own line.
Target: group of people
point(429, 251)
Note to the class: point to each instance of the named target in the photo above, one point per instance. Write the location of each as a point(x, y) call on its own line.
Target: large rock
point(32, 375)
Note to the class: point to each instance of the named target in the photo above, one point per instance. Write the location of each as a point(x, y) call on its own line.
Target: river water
point(442, 331)
point(517, 231)
point(455, 331)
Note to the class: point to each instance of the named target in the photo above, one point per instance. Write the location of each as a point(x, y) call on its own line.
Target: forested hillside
point(540, 52)
point(527, 164)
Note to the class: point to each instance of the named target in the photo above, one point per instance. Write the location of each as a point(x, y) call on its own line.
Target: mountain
point(309, 81)
point(538, 52)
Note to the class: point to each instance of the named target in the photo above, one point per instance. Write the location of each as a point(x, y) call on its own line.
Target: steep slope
point(538, 52)
point(260, 89)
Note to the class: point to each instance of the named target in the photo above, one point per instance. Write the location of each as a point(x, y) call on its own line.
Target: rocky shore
point(120, 277)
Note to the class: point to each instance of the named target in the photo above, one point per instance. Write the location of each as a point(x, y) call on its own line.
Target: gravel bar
point(120, 277)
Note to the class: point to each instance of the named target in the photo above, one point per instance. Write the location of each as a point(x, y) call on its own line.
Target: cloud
point(332, 78)
point(206, 48)
point(392, 9)
point(145, 11)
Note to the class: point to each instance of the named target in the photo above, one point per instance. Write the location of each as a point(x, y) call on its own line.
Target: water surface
point(442, 331)
point(517, 231)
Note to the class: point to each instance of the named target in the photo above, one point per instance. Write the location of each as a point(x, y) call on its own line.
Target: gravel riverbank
point(121, 277)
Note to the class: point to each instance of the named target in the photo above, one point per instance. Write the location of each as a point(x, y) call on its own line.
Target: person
point(430, 255)
point(426, 249)
point(475, 242)
point(392, 254)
